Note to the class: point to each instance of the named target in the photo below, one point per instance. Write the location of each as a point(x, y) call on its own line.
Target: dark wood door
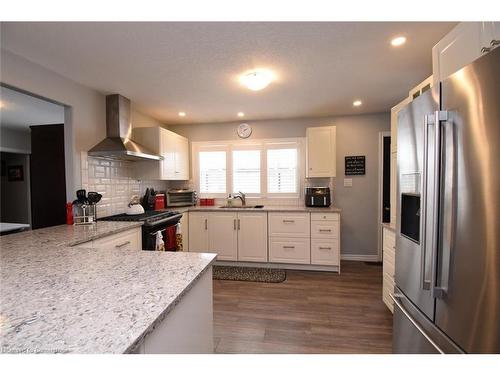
point(48, 178)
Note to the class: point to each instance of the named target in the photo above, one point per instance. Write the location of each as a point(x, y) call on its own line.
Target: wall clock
point(244, 130)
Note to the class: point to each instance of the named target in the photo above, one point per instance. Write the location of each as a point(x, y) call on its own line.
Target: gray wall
point(15, 140)
point(356, 135)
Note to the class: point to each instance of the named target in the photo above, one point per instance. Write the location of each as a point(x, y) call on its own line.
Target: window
point(212, 171)
point(259, 168)
point(246, 171)
point(282, 170)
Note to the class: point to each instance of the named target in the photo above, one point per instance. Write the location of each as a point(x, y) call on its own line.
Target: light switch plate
point(347, 182)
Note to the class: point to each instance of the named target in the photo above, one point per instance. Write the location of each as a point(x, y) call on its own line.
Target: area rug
point(262, 275)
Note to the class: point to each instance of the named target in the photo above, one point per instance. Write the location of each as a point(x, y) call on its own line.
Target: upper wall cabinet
point(171, 146)
point(462, 45)
point(321, 151)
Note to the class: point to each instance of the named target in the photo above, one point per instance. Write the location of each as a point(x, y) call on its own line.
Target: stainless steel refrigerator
point(447, 294)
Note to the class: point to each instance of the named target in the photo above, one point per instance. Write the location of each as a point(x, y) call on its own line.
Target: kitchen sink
point(257, 206)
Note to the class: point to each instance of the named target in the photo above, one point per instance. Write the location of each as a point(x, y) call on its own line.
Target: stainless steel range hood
point(117, 144)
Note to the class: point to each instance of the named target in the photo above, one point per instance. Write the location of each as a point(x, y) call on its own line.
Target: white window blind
point(212, 171)
point(282, 170)
point(246, 171)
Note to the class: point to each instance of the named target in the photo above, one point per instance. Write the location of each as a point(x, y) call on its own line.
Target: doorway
point(384, 211)
point(33, 185)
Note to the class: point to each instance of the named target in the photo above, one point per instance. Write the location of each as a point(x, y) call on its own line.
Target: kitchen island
point(61, 299)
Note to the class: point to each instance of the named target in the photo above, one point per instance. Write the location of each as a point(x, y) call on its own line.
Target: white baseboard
point(360, 257)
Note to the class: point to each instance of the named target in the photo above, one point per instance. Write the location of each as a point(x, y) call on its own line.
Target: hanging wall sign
point(355, 165)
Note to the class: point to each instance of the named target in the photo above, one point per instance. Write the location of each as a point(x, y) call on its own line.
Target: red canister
point(69, 213)
point(160, 202)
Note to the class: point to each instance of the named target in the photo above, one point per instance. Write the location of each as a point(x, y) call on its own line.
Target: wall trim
point(360, 257)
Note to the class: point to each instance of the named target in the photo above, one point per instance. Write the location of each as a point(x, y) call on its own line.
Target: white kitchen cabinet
point(325, 239)
point(461, 46)
point(321, 151)
point(394, 122)
point(325, 252)
point(198, 232)
point(394, 147)
point(389, 252)
point(290, 250)
point(291, 224)
point(289, 237)
point(223, 234)
point(126, 240)
point(252, 236)
point(171, 146)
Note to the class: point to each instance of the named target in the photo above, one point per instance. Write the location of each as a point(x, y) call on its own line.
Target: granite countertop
point(67, 235)
point(56, 298)
point(264, 209)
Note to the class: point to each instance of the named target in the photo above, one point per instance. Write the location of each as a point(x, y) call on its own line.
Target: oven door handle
point(162, 221)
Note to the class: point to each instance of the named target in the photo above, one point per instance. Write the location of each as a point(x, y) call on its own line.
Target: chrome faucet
point(242, 197)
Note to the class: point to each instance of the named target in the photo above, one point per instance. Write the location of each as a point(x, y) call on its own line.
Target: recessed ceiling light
point(257, 79)
point(357, 103)
point(241, 114)
point(182, 114)
point(398, 41)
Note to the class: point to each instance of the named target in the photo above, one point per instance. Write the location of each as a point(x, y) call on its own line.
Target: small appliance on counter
point(181, 197)
point(317, 196)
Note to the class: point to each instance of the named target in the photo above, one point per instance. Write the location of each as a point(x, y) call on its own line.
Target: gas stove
point(150, 218)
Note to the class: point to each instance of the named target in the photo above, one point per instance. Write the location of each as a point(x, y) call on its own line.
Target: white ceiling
point(19, 111)
point(169, 67)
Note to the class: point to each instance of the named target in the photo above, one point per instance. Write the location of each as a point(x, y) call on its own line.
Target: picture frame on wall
point(15, 173)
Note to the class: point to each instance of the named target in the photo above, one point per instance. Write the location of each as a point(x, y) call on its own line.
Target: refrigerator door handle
point(435, 200)
point(448, 192)
point(439, 116)
point(426, 264)
point(396, 298)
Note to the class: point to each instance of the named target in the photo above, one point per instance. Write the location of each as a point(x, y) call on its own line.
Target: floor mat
point(263, 275)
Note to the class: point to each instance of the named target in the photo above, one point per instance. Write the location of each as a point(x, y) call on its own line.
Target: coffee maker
point(317, 196)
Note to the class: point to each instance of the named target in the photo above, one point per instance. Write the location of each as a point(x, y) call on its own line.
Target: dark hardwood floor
point(311, 312)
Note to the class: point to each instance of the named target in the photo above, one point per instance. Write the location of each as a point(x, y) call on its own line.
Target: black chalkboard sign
point(355, 165)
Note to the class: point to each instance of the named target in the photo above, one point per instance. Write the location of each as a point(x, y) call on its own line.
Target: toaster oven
point(181, 197)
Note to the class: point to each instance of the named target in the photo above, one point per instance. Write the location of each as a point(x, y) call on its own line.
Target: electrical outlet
point(347, 182)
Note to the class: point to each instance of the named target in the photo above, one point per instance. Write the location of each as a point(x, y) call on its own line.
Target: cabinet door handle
point(206, 224)
point(123, 244)
point(325, 248)
point(234, 224)
point(485, 49)
point(289, 221)
point(495, 43)
point(325, 230)
point(288, 247)
point(238, 224)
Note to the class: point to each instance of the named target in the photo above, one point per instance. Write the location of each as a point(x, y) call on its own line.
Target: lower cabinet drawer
point(289, 224)
point(324, 252)
point(290, 250)
point(129, 239)
point(324, 229)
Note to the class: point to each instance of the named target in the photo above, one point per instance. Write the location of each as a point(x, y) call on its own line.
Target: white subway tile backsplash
point(114, 180)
